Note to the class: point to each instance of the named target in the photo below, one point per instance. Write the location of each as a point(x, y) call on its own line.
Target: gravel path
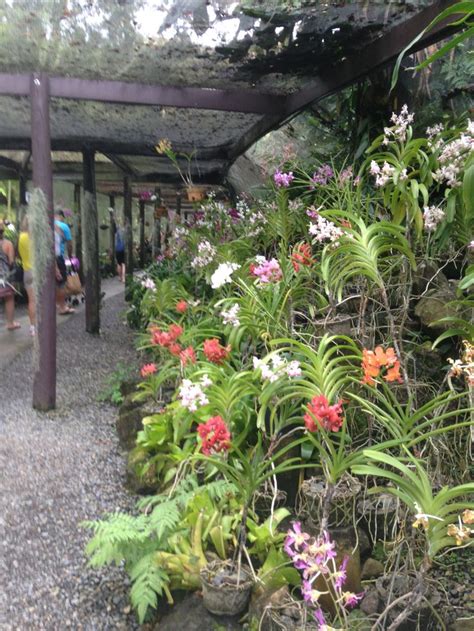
point(56, 470)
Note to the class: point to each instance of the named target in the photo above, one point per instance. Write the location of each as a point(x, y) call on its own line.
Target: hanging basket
point(195, 193)
point(225, 590)
point(343, 500)
point(161, 211)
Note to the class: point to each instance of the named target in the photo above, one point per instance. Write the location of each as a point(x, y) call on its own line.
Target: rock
point(365, 546)
point(136, 481)
point(370, 603)
point(191, 615)
point(128, 387)
point(435, 305)
point(428, 275)
point(264, 600)
point(372, 569)
point(463, 624)
point(129, 422)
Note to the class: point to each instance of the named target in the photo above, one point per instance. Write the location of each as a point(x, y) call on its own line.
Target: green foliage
point(372, 252)
point(149, 543)
point(327, 369)
point(463, 12)
point(412, 485)
point(112, 390)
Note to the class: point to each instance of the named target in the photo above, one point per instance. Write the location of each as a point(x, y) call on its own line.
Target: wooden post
point(44, 384)
point(156, 245)
point(113, 229)
point(179, 199)
point(90, 244)
point(128, 227)
point(141, 207)
point(19, 211)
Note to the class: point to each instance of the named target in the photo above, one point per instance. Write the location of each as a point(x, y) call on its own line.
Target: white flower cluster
point(223, 274)
point(384, 174)
point(148, 283)
point(453, 156)
point(230, 316)
point(192, 395)
point(181, 232)
point(400, 125)
point(324, 230)
point(277, 369)
point(206, 254)
point(432, 216)
point(253, 219)
point(435, 143)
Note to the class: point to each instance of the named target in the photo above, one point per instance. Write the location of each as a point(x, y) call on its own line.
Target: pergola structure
point(116, 76)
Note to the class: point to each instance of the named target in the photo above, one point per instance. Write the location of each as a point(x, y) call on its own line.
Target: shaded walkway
point(58, 469)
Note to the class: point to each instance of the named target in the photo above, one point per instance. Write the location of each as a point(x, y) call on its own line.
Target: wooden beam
point(90, 245)
point(120, 163)
point(44, 383)
point(112, 147)
point(248, 101)
point(128, 227)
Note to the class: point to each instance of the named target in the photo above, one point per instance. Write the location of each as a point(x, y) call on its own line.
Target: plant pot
point(379, 515)
point(264, 503)
point(342, 507)
point(195, 193)
point(224, 591)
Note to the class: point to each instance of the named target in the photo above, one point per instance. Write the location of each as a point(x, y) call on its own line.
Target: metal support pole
point(141, 207)
point(44, 384)
point(90, 244)
point(113, 229)
point(128, 227)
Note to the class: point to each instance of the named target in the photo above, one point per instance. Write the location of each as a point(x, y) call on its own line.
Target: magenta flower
point(310, 594)
point(322, 175)
point(283, 180)
point(350, 599)
point(341, 574)
point(268, 271)
point(320, 619)
point(295, 540)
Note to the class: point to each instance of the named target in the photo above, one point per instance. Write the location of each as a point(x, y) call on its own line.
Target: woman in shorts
point(7, 293)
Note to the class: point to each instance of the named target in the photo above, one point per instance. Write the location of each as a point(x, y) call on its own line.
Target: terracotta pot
point(224, 592)
point(195, 193)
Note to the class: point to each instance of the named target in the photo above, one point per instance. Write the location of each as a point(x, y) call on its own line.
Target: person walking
point(63, 240)
point(24, 250)
point(120, 252)
point(7, 292)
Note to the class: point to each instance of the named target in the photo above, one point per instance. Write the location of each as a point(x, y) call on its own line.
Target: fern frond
point(148, 582)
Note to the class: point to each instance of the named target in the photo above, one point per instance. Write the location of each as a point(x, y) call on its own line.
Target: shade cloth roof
point(211, 77)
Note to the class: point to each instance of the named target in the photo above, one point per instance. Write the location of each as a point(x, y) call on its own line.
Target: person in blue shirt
point(120, 252)
point(63, 244)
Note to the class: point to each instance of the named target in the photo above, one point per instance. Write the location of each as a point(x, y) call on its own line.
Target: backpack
point(5, 269)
